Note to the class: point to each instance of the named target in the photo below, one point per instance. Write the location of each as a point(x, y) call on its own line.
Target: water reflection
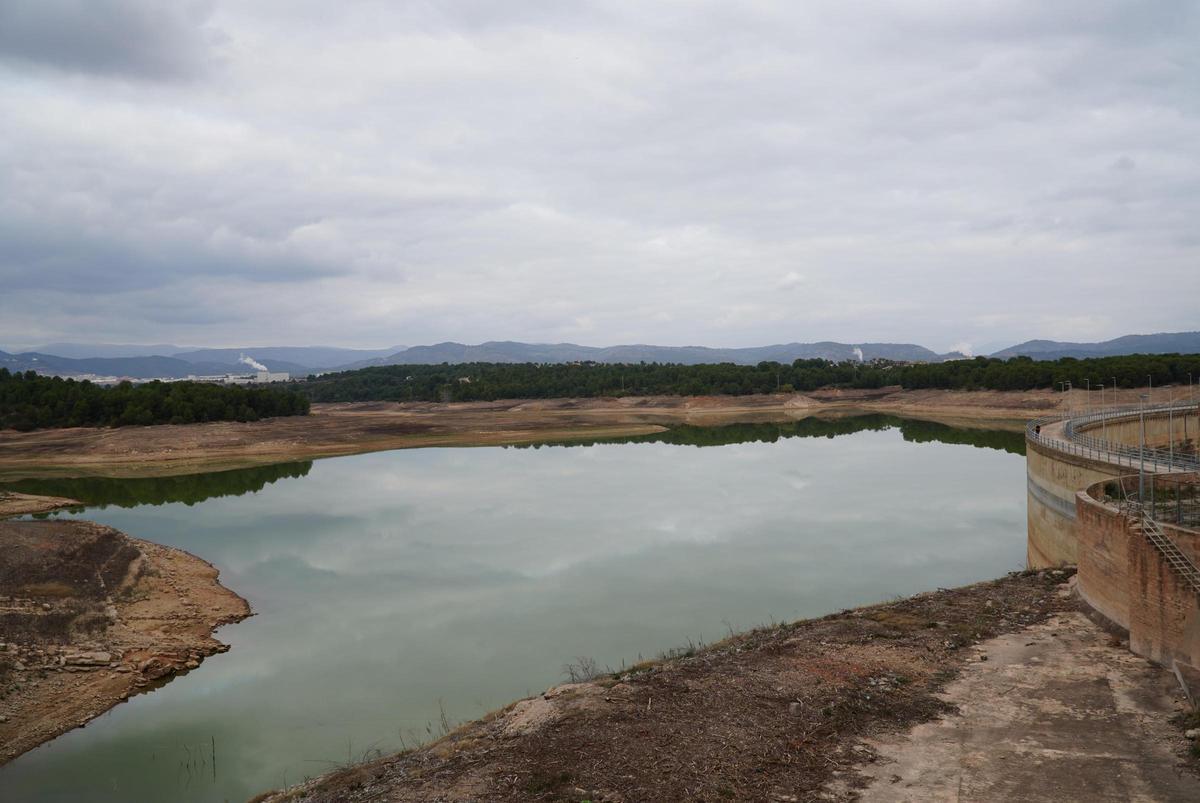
point(770, 432)
point(189, 489)
point(388, 582)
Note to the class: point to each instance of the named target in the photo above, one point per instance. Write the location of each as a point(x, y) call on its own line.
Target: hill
point(302, 359)
point(514, 352)
point(131, 367)
point(1162, 343)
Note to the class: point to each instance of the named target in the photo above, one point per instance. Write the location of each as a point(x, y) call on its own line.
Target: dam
point(1116, 492)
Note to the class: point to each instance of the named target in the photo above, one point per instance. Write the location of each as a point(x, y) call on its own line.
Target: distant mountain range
point(307, 356)
point(1163, 343)
point(109, 359)
point(510, 351)
point(167, 361)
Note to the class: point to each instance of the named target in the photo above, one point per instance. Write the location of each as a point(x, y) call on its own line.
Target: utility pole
point(1191, 400)
point(1142, 449)
point(1103, 416)
point(1171, 435)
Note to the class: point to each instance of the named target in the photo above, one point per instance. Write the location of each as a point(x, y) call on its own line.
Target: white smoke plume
point(858, 353)
point(253, 363)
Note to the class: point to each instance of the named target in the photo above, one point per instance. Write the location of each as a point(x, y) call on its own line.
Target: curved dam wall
point(1053, 477)
point(1159, 428)
point(1128, 581)
point(1074, 518)
point(1052, 480)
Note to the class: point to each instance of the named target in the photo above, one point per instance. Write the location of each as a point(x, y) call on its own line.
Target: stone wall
point(1158, 431)
point(1053, 479)
point(1103, 558)
point(1127, 580)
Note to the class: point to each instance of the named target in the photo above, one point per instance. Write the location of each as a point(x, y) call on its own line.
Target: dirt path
point(89, 617)
point(339, 429)
point(787, 713)
point(1054, 713)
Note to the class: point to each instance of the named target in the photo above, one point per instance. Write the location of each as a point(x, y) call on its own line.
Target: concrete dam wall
point(1136, 564)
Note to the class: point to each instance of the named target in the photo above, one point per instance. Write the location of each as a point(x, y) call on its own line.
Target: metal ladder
point(1150, 528)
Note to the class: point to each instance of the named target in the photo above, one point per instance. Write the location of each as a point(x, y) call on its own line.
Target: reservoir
point(397, 591)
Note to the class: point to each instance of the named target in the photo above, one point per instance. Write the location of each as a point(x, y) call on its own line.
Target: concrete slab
point(1054, 713)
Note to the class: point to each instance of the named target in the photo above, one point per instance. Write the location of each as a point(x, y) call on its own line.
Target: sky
point(370, 173)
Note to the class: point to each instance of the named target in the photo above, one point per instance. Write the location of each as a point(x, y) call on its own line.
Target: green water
point(390, 587)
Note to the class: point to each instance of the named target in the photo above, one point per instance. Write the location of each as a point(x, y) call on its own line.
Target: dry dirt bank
point(89, 617)
point(780, 714)
point(19, 504)
point(339, 429)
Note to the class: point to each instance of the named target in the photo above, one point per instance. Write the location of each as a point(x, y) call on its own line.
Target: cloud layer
point(367, 173)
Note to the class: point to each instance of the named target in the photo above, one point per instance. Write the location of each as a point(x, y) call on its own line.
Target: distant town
point(254, 378)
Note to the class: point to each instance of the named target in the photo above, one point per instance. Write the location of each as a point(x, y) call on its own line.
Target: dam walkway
point(1068, 433)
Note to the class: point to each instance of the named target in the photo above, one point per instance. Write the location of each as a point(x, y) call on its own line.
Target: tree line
point(190, 489)
point(491, 381)
point(30, 401)
point(811, 427)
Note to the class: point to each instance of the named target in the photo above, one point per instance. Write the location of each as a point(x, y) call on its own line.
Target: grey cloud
point(143, 39)
point(618, 171)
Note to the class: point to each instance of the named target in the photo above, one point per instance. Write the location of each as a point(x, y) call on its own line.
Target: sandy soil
point(339, 429)
point(90, 617)
point(19, 504)
point(795, 712)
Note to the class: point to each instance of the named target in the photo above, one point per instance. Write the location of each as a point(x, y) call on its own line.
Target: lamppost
point(1191, 400)
point(1171, 435)
point(1150, 389)
point(1103, 417)
point(1142, 448)
point(1088, 406)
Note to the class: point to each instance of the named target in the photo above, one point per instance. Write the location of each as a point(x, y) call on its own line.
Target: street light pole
point(1142, 449)
point(1171, 435)
point(1103, 416)
point(1089, 395)
point(1185, 412)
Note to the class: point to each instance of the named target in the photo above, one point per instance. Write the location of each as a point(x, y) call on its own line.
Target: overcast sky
point(948, 172)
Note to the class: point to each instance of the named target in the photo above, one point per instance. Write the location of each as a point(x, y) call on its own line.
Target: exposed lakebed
point(394, 586)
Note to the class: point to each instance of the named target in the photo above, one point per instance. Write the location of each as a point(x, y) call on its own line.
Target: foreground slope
point(793, 712)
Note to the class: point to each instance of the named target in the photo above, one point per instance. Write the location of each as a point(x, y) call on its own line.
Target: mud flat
point(89, 617)
point(353, 428)
point(829, 709)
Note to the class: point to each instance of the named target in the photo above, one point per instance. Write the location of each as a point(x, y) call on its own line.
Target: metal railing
point(1158, 461)
point(1077, 443)
point(1180, 563)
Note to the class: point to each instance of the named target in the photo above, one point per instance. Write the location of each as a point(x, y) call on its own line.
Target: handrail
point(1099, 448)
point(1171, 553)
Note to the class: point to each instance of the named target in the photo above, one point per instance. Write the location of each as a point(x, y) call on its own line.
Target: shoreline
point(842, 707)
point(64, 667)
point(360, 427)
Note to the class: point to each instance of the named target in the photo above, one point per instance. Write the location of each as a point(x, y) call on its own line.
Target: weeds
point(583, 669)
